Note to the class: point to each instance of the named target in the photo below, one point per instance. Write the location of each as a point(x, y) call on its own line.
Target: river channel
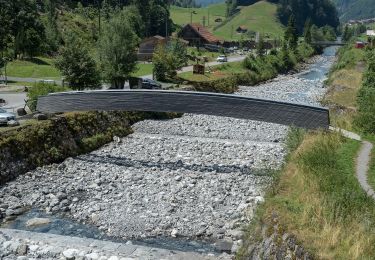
point(183, 184)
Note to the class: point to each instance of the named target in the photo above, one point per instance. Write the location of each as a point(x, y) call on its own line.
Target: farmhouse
point(197, 35)
point(148, 46)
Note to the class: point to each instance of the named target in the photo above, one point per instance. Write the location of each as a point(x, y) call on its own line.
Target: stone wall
point(273, 242)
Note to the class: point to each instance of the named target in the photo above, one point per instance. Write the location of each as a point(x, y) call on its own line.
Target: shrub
point(366, 97)
point(41, 89)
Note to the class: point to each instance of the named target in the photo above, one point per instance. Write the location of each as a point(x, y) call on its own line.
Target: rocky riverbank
point(195, 177)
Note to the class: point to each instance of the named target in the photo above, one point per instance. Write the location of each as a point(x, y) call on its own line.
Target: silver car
point(5, 117)
point(222, 58)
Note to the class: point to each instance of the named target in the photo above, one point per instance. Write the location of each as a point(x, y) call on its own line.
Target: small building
point(197, 35)
point(370, 33)
point(241, 29)
point(148, 46)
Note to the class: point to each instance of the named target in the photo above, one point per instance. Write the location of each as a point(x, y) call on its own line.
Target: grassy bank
point(318, 199)
point(344, 82)
point(39, 67)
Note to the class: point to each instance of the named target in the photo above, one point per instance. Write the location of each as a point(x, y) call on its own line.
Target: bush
point(41, 89)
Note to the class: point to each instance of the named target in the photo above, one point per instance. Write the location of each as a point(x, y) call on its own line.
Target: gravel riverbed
point(196, 177)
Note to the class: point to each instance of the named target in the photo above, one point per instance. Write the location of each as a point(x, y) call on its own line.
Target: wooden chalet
point(197, 35)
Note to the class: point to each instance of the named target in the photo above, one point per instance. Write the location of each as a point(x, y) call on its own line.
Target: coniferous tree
point(291, 34)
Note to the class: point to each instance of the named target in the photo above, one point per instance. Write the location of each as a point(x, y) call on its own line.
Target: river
point(190, 184)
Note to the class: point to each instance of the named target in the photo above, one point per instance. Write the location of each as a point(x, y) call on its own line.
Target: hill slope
point(182, 16)
point(258, 17)
point(355, 9)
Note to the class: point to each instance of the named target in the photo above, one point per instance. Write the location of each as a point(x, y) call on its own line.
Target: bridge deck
point(187, 102)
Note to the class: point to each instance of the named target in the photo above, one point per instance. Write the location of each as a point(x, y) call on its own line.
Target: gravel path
point(196, 177)
point(363, 162)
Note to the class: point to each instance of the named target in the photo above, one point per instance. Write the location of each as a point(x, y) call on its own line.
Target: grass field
point(42, 68)
point(181, 16)
point(218, 72)
point(143, 69)
point(39, 67)
point(259, 17)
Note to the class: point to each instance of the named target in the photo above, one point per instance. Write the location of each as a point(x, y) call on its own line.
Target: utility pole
point(166, 27)
point(208, 10)
point(231, 32)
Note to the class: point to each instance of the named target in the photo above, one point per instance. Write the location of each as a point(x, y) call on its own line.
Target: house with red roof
point(198, 35)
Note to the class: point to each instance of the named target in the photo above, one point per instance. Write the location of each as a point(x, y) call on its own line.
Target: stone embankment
point(195, 177)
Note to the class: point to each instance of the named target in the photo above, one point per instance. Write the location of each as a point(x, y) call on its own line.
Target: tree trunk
point(118, 83)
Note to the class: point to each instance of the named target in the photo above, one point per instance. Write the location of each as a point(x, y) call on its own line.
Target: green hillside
point(182, 16)
point(259, 17)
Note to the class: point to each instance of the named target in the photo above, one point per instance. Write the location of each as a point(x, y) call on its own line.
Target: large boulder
point(36, 222)
point(13, 123)
point(21, 112)
point(40, 117)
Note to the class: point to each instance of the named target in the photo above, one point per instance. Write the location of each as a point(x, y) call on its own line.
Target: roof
point(242, 27)
point(154, 38)
point(203, 32)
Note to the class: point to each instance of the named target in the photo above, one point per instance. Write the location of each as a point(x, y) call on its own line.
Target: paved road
point(14, 100)
point(31, 80)
point(213, 63)
point(362, 168)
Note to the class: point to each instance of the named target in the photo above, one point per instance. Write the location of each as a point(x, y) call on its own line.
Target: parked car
point(5, 117)
point(222, 58)
point(150, 84)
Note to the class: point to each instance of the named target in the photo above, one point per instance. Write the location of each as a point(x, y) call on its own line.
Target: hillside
point(355, 9)
point(259, 17)
point(182, 16)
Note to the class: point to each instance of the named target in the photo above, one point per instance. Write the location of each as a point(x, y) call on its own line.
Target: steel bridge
point(235, 106)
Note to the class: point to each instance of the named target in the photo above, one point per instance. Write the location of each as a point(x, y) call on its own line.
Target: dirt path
point(363, 162)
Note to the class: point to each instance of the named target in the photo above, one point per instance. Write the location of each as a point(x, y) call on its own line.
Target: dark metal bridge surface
point(187, 102)
point(328, 43)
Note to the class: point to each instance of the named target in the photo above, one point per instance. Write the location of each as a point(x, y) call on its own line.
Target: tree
point(321, 12)
point(347, 34)
point(260, 46)
point(118, 50)
point(179, 52)
point(76, 65)
point(307, 31)
point(27, 29)
point(291, 34)
point(52, 34)
point(168, 58)
point(366, 97)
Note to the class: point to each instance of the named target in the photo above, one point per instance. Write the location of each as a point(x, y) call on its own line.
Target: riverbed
point(191, 183)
